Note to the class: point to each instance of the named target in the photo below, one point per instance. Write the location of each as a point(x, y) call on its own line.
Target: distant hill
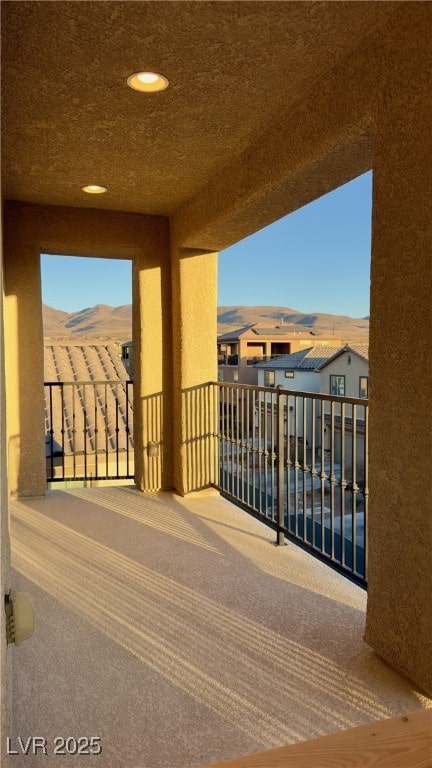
point(230, 318)
point(96, 322)
point(103, 321)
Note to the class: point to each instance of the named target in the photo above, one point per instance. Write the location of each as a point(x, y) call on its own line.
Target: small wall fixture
point(147, 82)
point(94, 189)
point(20, 618)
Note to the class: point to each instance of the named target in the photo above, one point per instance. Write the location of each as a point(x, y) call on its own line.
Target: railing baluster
point(62, 429)
point(304, 467)
point(354, 487)
point(342, 486)
point(313, 469)
point(280, 452)
point(366, 487)
point(51, 416)
point(116, 431)
point(74, 431)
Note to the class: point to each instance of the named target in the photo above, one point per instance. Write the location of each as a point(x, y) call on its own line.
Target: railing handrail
point(294, 392)
point(87, 381)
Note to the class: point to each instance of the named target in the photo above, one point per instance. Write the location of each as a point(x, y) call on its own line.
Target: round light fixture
point(94, 189)
point(147, 82)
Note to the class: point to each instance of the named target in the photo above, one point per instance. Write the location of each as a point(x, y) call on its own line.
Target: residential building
point(346, 373)
point(297, 372)
point(269, 106)
point(240, 350)
point(127, 356)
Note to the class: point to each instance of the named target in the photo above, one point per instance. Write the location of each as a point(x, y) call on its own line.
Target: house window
point(289, 374)
point(337, 385)
point(269, 378)
point(364, 386)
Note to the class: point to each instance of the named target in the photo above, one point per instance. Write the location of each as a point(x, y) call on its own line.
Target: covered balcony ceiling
point(235, 70)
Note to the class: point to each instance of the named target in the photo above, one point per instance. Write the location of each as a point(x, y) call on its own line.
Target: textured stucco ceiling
point(234, 67)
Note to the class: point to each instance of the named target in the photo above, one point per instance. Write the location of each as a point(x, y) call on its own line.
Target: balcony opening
point(87, 316)
point(294, 297)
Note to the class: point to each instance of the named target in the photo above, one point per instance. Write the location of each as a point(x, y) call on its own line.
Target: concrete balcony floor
point(174, 630)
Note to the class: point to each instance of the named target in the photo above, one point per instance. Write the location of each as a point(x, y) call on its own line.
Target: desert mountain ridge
point(103, 321)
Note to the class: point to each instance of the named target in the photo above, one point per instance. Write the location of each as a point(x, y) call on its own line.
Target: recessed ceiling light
point(147, 82)
point(94, 189)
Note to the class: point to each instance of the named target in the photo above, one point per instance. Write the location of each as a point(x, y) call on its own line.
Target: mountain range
point(103, 321)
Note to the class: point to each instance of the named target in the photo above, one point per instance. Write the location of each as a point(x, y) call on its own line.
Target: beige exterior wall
point(24, 358)
point(5, 653)
point(347, 364)
point(32, 230)
point(399, 616)
point(194, 302)
point(152, 380)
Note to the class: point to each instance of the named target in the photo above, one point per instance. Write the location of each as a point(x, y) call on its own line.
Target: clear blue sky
point(314, 260)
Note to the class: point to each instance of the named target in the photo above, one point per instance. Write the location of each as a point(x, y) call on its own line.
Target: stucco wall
point(351, 366)
point(194, 301)
point(399, 617)
point(5, 654)
point(31, 230)
point(303, 381)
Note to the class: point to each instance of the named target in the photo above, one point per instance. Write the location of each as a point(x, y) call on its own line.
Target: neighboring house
point(297, 372)
point(240, 350)
point(346, 374)
point(88, 412)
point(127, 357)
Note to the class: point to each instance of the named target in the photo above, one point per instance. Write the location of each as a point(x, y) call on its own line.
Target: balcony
point(296, 461)
point(176, 632)
point(225, 359)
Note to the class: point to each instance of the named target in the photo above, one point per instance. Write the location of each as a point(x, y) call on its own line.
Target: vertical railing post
point(51, 426)
point(280, 453)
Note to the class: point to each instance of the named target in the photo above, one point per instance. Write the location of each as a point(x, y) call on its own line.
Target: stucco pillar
point(399, 613)
point(24, 362)
point(152, 357)
point(194, 305)
point(5, 655)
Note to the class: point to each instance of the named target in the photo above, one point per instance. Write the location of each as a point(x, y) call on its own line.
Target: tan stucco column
point(194, 313)
point(152, 351)
point(399, 613)
point(24, 363)
point(5, 656)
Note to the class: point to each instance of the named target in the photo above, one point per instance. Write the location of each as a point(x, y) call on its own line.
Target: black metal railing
point(298, 461)
point(227, 359)
point(89, 430)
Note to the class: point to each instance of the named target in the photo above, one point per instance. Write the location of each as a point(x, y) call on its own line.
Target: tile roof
point(303, 360)
point(360, 349)
point(265, 331)
point(94, 394)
